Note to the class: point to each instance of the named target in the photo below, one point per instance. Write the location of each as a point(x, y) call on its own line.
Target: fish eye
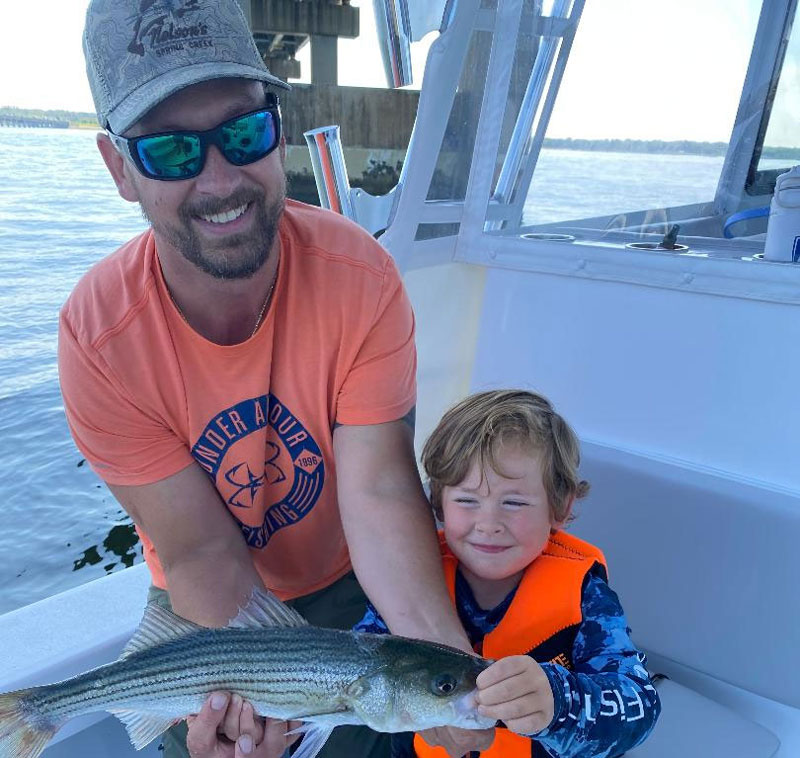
point(444, 684)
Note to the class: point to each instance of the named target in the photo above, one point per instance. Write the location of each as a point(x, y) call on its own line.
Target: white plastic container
point(783, 228)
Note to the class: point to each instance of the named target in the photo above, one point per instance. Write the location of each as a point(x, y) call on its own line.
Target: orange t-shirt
point(145, 395)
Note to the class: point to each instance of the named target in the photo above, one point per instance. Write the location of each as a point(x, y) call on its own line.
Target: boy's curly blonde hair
point(475, 428)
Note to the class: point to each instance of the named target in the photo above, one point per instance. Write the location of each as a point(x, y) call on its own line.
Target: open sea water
point(59, 214)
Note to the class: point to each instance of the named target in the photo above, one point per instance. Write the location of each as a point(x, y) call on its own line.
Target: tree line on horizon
point(74, 117)
point(676, 147)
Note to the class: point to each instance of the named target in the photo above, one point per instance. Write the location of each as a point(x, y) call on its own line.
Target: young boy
point(568, 682)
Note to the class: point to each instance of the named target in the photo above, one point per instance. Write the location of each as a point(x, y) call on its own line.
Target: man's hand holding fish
point(228, 727)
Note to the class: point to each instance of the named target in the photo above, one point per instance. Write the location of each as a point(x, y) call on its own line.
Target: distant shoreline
point(79, 120)
point(677, 147)
point(35, 118)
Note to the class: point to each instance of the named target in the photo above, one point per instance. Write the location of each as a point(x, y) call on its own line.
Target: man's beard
point(238, 256)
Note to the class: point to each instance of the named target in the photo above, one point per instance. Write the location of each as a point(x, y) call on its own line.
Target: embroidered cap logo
point(163, 26)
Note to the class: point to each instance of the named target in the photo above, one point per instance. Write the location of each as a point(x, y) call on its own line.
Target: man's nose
point(219, 177)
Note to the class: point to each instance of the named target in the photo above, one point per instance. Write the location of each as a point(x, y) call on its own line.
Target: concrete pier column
point(324, 59)
point(281, 27)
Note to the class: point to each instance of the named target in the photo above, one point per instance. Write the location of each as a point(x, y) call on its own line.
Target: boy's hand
point(516, 691)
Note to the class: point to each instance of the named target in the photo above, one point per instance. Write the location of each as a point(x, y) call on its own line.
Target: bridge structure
point(282, 27)
point(35, 122)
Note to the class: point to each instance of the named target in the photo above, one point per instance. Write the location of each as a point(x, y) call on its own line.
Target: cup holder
point(548, 237)
point(656, 246)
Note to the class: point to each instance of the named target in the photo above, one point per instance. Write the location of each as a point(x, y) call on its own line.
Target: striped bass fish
point(270, 656)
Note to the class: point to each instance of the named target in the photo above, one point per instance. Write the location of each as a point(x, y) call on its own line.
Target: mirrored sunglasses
point(171, 156)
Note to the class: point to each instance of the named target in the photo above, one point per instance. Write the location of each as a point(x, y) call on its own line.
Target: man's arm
point(391, 536)
point(207, 565)
point(390, 531)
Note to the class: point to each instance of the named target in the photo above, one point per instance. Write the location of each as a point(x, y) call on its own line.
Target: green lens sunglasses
point(172, 156)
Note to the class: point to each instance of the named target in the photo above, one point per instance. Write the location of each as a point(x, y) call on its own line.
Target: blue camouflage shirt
point(603, 707)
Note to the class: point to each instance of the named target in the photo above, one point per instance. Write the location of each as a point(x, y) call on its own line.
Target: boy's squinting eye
point(515, 503)
point(465, 500)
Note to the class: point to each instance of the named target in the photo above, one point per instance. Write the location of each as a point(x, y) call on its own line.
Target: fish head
point(418, 685)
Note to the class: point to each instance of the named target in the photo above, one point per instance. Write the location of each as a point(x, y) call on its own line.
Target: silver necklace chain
point(260, 313)
point(264, 307)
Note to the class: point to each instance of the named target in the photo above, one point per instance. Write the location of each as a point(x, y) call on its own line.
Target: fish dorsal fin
point(157, 625)
point(264, 609)
point(142, 728)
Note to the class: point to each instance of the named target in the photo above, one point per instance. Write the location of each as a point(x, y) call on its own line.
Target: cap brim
point(133, 107)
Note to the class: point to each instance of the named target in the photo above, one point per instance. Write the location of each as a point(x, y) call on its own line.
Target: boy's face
point(496, 524)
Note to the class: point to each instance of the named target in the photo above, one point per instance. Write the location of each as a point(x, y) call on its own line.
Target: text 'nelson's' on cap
point(139, 53)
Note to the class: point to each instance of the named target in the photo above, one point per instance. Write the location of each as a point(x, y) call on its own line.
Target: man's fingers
point(480, 739)
point(251, 724)
point(457, 742)
point(290, 726)
point(230, 724)
point(245, 747)
point(202, 736)
point(275, 739)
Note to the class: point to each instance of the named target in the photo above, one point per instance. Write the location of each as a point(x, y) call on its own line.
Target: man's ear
point(282, 150)
point(118, 168)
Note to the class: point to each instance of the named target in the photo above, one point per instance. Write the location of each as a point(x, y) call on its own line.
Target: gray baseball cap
point(139, 52)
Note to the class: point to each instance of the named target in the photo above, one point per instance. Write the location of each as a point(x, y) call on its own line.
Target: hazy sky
point(640, 69)
point(42, 64)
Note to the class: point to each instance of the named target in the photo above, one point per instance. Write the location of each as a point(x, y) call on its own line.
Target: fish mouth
point(466, 711)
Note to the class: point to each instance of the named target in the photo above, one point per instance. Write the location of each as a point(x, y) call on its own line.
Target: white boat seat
point(693, 726)
point(704, 566)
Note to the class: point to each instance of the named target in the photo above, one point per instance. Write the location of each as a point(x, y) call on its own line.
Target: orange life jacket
point(542, 621)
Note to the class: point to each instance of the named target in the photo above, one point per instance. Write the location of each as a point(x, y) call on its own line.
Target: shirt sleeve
point(372, 622)
point(607, 704)
point(380, 386)
point(123, 442)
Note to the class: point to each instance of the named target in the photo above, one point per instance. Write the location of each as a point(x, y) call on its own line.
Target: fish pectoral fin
point(306, 715)
point(304, 728)
point(143, 727)
point(314, 738)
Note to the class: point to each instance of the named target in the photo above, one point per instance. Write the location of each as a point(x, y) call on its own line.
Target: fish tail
point(24, 732)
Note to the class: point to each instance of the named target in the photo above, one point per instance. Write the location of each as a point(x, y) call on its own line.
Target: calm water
point(59, 213)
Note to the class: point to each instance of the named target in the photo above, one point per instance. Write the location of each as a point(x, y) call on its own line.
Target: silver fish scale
point(285, 672)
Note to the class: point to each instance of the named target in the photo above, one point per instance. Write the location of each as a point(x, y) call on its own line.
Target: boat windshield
point(779, 125)
point(645, 110)
point(622, 115)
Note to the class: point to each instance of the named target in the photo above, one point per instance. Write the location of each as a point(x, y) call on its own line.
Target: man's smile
point(227, 222)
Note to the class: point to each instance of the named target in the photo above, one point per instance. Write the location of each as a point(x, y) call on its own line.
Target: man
point(242, 374)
